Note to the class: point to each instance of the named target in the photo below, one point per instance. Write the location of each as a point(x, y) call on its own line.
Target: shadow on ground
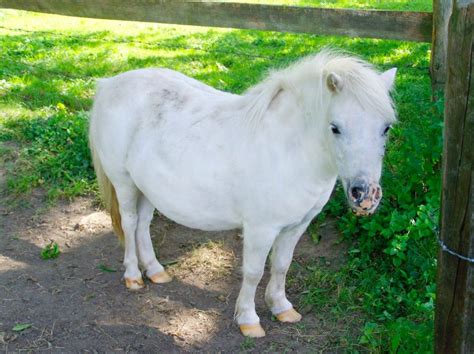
point(77, 302)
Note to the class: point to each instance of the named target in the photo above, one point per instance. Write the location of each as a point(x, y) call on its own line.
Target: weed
point(51, 251)
point(399, 336)
point(247, 344)
point(313, 231)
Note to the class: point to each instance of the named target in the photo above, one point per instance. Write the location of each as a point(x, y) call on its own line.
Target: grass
point(247, 344)
point(401, 5)
point(48, 68)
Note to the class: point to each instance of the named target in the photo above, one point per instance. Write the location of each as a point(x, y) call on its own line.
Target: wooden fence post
point(439, 47)
point(454, 322)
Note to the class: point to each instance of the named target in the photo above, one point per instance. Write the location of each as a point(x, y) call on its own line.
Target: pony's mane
point(361, 81)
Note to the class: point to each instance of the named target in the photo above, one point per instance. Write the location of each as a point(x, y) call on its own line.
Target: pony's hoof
point(160, 278)
point(134, 284)
point(252, 330)
point(289, 316)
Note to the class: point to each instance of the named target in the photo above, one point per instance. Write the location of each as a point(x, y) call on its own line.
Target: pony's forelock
point(364, 83)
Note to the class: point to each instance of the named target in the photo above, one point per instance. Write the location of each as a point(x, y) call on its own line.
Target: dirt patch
point(78, 302)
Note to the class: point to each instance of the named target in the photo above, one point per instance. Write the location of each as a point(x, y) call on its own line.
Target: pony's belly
point(193, 216)
point(192, 206)
point(200, 222)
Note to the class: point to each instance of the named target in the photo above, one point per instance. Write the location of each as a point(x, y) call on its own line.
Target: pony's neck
point(292, 106)
point(301, 85)
point(295, 94)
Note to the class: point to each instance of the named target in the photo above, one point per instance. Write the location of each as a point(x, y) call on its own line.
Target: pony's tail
point(108, 194)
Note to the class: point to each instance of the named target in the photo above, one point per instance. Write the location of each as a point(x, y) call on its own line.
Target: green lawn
point(401, 5)
point(48, 67)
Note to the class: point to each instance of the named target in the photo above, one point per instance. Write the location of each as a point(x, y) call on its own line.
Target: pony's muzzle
point(364, 197)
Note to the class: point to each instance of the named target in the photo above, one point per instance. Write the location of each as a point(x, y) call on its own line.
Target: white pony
point(265, 161)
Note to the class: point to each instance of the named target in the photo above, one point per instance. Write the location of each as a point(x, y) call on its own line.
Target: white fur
point(265, 161)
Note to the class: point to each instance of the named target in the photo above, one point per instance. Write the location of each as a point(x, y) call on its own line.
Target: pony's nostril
point(357, 193)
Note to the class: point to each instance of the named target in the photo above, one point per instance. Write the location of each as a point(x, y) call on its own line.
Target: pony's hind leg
point(127, 196)
point(281, 256)
point(153, 269)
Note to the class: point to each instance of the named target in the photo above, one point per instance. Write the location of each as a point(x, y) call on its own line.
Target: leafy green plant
point(55, 155)
point(20, 327)
point(399, 336)
point(51, 251)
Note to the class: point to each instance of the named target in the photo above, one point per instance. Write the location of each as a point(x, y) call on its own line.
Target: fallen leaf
point(21, 327)
point(104, 268)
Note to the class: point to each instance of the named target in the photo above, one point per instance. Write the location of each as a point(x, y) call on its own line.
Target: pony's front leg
point(257, 244)
point(281, 257)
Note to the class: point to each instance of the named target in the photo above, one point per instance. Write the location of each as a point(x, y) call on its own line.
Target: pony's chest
point(291, 206)
point(304, 218)
point(311, 202)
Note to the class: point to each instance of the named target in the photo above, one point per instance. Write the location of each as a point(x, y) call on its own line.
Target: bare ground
point(75, 305)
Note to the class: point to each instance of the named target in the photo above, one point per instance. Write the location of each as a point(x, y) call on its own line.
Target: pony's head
point(360, 115)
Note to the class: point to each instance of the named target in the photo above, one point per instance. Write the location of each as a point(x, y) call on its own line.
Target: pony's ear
point(334, 82)
point(388, 78)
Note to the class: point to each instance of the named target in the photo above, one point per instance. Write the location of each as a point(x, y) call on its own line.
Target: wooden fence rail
point(401, 25)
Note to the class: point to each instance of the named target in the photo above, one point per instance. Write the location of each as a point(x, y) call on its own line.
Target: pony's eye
point(386, 130)
point(335, 129)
